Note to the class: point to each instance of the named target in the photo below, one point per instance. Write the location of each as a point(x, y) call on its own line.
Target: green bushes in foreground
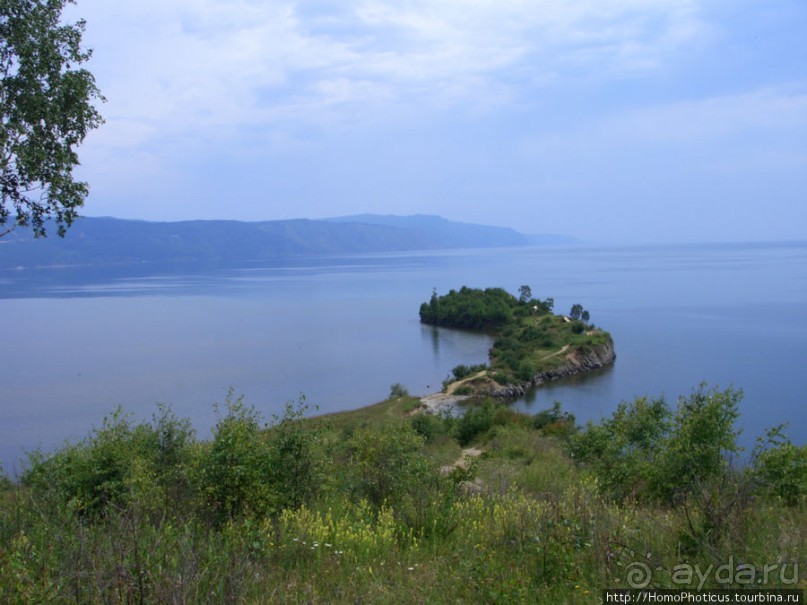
point(295, 511)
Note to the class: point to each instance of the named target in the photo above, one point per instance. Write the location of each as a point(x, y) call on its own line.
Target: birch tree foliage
point(46, 110)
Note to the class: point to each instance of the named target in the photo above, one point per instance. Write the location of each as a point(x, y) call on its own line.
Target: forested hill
point(101, 241)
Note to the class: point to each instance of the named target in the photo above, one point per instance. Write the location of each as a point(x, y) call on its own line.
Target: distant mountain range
point(106, 241)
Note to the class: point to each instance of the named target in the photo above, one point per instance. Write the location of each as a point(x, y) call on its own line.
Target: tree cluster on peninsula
point(530, 338)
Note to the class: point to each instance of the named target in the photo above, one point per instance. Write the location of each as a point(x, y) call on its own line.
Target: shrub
point(428, 426)
point(780, 467)
point(476, 421)
point(505, 415)
point(169, 451)
point(295, 457)
point(622, 449)
point(462, 371)
point(385, 463)
point(398, 391)
point(702, 440)
point(5, 483)
point(555, 421)
point(526, 371)
point(233, 472)
point(502, 377)
point(90, 476)
point(544, 417)
point(645, 450)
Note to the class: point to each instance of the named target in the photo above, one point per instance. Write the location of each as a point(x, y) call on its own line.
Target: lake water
point(341, 331)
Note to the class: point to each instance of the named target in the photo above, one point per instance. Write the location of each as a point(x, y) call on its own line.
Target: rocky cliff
point(578, 361)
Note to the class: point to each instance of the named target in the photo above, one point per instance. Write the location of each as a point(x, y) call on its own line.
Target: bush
point(462, 371)
point(505, 415)
point(502, 377)
point(297, 464)
point(385, 464)
point(554, 421)
point(476, 421)
point(780, 467)
point(5, 483)
point(234, 471)
point(545, 417)
point(90, 476)
point(427, 425)
point(398, 391)
point(526, 371)
point(622, 448)
point(644, 450)
point(170, 449)
point(701, 442)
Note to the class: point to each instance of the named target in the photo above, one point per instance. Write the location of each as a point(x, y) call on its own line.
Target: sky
point(612, 121)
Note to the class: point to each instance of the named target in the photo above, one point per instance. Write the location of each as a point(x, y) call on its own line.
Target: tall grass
point(139, 513)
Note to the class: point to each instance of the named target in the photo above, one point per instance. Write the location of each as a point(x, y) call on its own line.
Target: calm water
point(341, 331)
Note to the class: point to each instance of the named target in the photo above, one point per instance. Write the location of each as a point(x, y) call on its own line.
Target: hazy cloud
point(325, 107)
point(201, 66)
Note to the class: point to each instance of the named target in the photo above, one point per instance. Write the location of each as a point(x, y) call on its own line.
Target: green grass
point(535, 344)
point(380, 526)
point(383, 411)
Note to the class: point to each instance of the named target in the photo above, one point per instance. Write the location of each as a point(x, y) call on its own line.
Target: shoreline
point(576, 362)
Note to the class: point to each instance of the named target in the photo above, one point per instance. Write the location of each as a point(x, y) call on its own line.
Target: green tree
point(576, 311)
point(524, 294)
point(234, 470)
point(46, 111)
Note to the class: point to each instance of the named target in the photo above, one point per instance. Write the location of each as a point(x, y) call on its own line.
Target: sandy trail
point(439, 402)
point(463, 462)
point(560, 351)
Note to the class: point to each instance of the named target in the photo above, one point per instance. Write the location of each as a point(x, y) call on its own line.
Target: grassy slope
point(539, 531)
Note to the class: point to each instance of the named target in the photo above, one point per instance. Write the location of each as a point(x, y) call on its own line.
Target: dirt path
point(455, 385)
point(473, 485)
point(463, 462)
point(439, 402)
point(560, 351)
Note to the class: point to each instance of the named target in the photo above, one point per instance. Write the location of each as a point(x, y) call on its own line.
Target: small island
point(532, 344)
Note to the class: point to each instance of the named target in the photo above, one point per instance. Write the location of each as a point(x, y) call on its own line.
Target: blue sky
point(608, 120)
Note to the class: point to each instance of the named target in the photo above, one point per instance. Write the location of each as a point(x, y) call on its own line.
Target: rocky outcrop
point(511, 391)
point(577, 361)
point(583, 359)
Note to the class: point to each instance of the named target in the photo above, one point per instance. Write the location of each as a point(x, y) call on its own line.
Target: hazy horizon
point(618, 121)
point(576, 241)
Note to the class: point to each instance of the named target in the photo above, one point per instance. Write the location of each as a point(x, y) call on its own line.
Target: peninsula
point(533, 345)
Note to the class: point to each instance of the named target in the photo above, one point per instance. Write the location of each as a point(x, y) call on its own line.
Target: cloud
point(771, 117)
point(317, 107)
point(205, 68)
point(768, 110)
